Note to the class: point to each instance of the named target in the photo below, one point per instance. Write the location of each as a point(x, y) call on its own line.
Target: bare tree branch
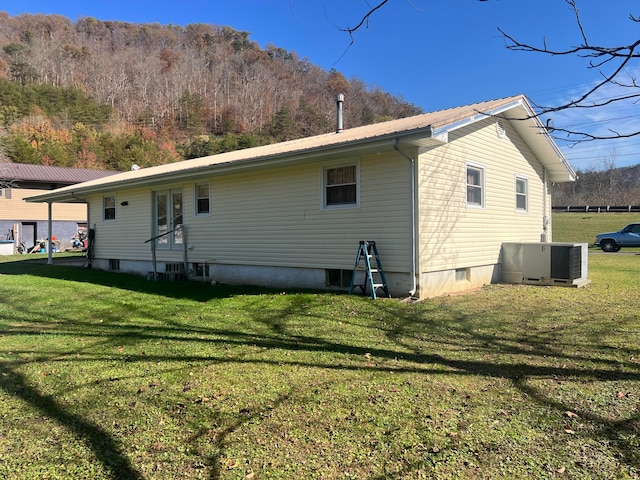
point(363, 21)
point(620, 57)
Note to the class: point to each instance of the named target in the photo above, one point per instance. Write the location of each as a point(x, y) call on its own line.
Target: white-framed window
point(168, 218)
point(109, 208)
point(522, 194)
point(341, 186)
point(475, 185)
point(202, 194)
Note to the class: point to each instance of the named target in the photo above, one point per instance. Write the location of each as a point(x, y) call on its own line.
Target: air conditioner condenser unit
point(547, 263)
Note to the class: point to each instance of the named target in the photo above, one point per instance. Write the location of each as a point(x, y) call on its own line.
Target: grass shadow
point(105, 447)
point(429, 339)
point(77, 272)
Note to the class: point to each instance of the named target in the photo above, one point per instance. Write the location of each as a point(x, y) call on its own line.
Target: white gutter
point(147, 177)
point(412, 163)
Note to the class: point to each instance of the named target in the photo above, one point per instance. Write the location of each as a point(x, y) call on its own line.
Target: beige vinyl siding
point(123, 238)
point(454, 235)
point(15, 208)
point(274, 217)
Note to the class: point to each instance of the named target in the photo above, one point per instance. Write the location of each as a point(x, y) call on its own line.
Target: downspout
point(545, 215)
point(49, 233)
point(412, 189)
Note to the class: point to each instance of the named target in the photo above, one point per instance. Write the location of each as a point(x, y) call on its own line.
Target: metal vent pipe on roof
point(339, 102)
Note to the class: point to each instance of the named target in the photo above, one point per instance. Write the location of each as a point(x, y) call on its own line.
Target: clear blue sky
point(433, 53)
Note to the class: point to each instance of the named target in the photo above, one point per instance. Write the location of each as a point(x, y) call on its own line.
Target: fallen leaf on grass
point(229, 463)
point(622, 394)
point(568, 429)
point(570, 414)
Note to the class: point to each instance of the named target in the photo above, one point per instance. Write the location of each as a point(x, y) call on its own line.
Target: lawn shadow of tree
point(104, 446)
point(193, 290)
point(465, 347)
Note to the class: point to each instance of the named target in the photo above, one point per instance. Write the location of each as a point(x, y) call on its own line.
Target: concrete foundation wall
point(446, 282)
point(272, 277)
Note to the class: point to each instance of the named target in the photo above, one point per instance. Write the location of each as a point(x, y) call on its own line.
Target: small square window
point(109, 207)
point(462, 274)
point(201, 269)
point(341, 186)
point(339, 278)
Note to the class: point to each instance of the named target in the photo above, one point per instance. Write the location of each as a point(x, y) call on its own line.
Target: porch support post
point(49, 233)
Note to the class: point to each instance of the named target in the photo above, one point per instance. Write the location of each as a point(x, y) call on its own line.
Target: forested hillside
point(609, 186)
point(106, 94)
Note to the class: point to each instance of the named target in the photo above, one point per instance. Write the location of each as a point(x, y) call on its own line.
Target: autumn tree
point(142, 88)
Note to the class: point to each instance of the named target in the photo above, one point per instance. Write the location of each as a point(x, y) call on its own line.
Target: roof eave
point(364, 146)
point(537, 137)
point(422, 134)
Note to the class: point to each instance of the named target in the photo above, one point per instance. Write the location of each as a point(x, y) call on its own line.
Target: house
point(439, 193)
point(28, 222)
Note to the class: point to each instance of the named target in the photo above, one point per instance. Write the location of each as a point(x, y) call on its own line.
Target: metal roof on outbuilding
point(23, 172)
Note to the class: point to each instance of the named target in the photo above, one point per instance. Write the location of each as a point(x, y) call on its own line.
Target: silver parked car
point(629, 236)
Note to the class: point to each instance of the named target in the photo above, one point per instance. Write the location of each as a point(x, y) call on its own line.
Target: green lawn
point(106, 375)
point(583, 227)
